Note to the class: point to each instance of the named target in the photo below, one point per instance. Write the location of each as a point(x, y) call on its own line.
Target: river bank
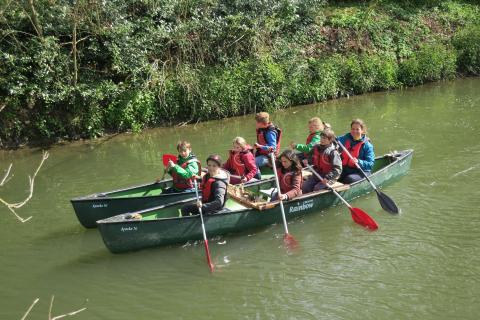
point(423, 263)
point(90, 69)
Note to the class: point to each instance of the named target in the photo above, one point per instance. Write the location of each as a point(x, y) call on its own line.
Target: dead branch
point(18, 205)
point(72, 313)
point(4, 180)
point(29, 309)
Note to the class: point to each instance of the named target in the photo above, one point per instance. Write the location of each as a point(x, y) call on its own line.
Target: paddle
point(205, 240)
point(288, 239)
point(358, 215)
point(165, 159)
point(385, 201)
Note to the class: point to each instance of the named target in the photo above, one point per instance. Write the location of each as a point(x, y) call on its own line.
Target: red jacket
point(290, 183)
point(242, 163)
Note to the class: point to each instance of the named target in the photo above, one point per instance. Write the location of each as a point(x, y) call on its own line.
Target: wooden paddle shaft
point(329, 187)
point(272, 156)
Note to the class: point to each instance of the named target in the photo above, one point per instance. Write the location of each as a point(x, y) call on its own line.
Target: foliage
point(80, 69)
point(467, 43)
point(430, 63)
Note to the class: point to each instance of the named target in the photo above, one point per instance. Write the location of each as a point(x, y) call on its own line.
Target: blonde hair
point(262, 117)
point(183, 145)
point(240, 141)
point(317, 122)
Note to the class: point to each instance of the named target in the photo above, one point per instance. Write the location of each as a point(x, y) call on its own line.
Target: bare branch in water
point(29, 309)
point(4, 180)
point(18, 205)
point(72, 313)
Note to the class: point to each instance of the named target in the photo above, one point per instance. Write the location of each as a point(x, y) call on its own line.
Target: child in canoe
point(241, 162)
point(268, 140)
point(214, 189)
point(289, 171)
point(326, 162)
point(360, 148)
point(184, 170)
point(315, 127)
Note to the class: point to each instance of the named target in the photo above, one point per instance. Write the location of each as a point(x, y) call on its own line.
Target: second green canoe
point(163, 225)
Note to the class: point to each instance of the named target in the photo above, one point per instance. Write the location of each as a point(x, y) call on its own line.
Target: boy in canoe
point(241, 162)
point(184, 170)
point(315, 127)
point(214, 189)
point(326, 161)
point(268, 140)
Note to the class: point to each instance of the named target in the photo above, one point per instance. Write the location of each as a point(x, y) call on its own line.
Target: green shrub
point(326, 79)
point(367, 72)
point(467, 44)
point(432, 62)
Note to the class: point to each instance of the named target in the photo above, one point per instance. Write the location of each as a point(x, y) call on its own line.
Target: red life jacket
point(207, 182)
point(354, 151)
point(238, 160)
point(286, 180)
point(321, 161)
point(182, 183)
point(310, 137)
point(262, 141)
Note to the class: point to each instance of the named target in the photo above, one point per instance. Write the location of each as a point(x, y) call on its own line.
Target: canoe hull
point(99, 206)
point(120, 235)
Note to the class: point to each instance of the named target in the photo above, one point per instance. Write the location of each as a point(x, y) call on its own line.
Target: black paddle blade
point(387, 203)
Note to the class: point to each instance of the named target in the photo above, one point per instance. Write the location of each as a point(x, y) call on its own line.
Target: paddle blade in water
point(207, 252)
point(363, 219)
point(387, 203)
point(290, 241)
point(168, 157)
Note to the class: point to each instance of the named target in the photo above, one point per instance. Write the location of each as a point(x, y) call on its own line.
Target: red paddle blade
point(207, 252)
point(168, 157)
point(290, 241)
point(363, 219)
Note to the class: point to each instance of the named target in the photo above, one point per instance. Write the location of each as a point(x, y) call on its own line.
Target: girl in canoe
point(214, 189)
point(289, 171)
point(241, 162)
point(360, 148)
point(315, 127)
point(326, 161)
point(184, 170)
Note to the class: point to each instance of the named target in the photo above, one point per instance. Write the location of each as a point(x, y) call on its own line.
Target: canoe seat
point(268, 192)
point(306, 174)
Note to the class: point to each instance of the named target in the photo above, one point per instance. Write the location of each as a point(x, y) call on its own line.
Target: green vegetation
point(80, 69)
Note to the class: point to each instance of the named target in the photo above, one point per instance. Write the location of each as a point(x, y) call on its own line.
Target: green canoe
point(103, 205)
point(162, 225)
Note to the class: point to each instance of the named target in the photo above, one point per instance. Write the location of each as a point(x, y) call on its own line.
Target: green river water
point(421, 264)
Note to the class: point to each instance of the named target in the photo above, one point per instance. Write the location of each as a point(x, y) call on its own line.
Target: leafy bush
point(144, 63)
point(467, 43)
point(432, 62)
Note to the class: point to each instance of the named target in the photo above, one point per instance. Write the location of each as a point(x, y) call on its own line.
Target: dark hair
point(329, 134)
point(215, 158)
point(292, 156)
point(361, 123)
